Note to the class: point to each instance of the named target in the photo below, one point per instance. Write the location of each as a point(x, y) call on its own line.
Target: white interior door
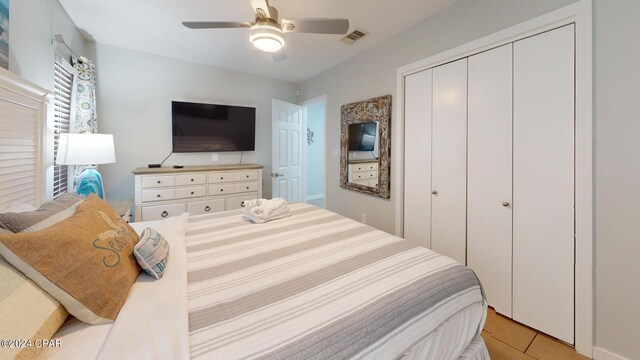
point(543, 182)
point(286, 176)
point(489, 215)
point(449, 160)
point(417, 157)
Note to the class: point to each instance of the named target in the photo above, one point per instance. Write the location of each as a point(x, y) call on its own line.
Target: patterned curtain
point(86, 119)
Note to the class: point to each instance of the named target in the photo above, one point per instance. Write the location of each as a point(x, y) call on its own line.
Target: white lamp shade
point(85, 149)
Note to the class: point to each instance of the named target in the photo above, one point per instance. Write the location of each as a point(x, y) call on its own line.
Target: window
point(63, 89)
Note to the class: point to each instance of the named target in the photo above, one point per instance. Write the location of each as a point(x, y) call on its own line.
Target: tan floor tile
point(490, 323)
point(512, 333)
point(501, 351)
point(545, 347)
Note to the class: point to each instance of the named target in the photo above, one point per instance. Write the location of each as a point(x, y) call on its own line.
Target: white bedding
point(153, 324)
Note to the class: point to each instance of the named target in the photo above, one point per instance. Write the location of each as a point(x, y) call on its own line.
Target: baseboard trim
point(602, 354)
point(314, 197)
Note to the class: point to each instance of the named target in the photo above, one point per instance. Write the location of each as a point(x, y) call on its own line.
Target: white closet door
point(417, 158)
point(449, 160)
point(489, 213)
point(543, 182)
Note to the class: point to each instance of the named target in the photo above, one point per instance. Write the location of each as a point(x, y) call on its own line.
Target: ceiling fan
point(267, 32)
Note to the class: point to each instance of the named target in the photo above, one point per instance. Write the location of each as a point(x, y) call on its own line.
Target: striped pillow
point(48, 214)
point(27, 312)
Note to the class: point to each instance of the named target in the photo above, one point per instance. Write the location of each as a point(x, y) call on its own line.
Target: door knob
point(276, 174)
point(434, 192)
point(505, 203)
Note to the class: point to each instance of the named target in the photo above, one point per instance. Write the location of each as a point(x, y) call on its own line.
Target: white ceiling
point(154, 26)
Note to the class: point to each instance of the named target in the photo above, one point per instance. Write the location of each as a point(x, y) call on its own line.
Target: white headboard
point(24, 109)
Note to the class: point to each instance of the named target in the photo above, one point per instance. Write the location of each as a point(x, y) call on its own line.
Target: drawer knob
point(192, 180)
point(434, 192)
point(247, 188)
point(247, 176)
point(192, 193)
point(505, 203)
point(158, 195)
point(159, 181)
point(242, 204)
point(221, 190)
point(164, 214)
point(221, 178)
point(207, 208)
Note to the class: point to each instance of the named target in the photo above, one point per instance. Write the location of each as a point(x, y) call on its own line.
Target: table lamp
point(86, 149)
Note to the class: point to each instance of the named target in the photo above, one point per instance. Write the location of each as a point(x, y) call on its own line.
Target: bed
point(315, 285)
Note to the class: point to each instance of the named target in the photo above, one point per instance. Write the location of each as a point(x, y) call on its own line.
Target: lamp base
point(90, 182)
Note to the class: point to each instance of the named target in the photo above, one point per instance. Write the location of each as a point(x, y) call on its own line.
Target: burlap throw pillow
point(86, 262)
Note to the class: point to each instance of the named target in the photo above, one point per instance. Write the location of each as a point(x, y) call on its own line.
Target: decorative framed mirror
point(365, 146)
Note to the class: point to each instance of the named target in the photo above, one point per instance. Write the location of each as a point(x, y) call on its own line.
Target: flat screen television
point(212, 128)
point(362, 137)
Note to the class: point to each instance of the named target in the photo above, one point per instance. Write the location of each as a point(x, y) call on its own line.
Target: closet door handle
point(505, 203)
point(434, 192)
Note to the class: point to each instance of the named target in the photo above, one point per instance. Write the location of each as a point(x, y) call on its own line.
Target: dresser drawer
point(371, 166)
point(358, 176)
point(222, 177)
point(191, 192)
point(191, 179)
point(159, 212)
point(358, 167)
point(246, 187)
point(206, 207)
point(246, 175)
point(158, 195)
point(158, 181)
point(221, 189)
point(235, 203)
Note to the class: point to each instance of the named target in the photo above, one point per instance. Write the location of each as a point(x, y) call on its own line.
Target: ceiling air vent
point(354, 36)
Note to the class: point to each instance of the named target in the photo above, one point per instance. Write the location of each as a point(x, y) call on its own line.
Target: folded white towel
point(262, 210)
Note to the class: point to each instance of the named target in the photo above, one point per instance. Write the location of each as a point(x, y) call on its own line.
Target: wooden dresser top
point(171, 170)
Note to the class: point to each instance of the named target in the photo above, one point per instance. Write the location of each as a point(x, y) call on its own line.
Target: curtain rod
point(60, 40)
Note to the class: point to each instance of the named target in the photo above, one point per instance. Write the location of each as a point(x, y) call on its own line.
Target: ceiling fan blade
point(279, 56)
point(262, 8)
point(316, 26)
point(216, 24)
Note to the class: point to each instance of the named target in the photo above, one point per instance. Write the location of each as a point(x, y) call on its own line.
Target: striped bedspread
point(315, 285)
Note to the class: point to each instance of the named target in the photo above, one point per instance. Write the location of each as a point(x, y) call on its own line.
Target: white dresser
point(164, 192)
point(364, 172)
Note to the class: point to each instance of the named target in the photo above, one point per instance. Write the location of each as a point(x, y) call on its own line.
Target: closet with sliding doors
point(489, 173)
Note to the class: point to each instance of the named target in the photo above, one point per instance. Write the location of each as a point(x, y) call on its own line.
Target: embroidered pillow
point(48, 214)
point(86, 262)
point(152, 252)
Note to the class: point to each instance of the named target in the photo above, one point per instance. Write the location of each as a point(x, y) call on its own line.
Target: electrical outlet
point(363, 218)
point(215, 157)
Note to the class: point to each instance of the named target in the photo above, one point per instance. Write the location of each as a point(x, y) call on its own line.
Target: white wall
point(315, 151)
point(32, 26)
point(373, 73)
point(134, 93)
point(617, 176)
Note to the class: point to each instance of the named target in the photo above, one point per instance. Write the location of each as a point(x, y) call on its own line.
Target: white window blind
point(64, 76)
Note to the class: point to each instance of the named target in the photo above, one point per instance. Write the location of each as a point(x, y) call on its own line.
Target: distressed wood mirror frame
point(377, 109)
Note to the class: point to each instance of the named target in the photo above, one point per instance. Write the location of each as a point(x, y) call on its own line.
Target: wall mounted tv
point(212, 128)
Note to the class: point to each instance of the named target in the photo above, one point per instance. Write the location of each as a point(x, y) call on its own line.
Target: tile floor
point(507, 340)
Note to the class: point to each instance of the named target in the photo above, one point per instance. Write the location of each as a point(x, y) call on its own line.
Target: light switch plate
point(214, 157)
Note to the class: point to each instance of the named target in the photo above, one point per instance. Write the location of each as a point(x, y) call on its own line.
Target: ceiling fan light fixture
point(266, 37)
